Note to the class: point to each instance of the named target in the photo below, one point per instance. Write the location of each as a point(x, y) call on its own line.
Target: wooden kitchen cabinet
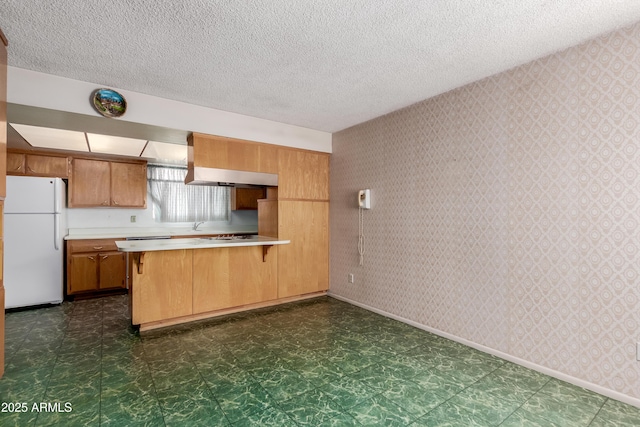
point(303, 175)
point(303, 265)
point(246, 198)
point(94, 266)
point(161, 285)
point(227, 153)
point(101, 183)
point(37, 165)
point(128, 184)
point(232, 277)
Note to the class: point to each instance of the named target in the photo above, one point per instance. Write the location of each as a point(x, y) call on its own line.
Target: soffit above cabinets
point(70, 140)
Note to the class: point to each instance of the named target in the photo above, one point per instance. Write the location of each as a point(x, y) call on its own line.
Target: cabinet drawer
point(94, 245)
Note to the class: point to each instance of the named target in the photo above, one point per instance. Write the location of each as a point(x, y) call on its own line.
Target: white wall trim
point(542, 369)
point(26, 87)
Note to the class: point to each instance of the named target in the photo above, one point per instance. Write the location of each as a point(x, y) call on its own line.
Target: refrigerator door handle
point(56, 196)
point(56, 231)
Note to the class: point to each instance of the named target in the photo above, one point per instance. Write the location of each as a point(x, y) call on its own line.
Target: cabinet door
point(231, 277)
point(303, 175)
point(303, 264)
point(83, 273)
point(47, 166)
point(112, 268)
point(15, 164)
point(128, 185)
point(89, 183)
point(161, 285)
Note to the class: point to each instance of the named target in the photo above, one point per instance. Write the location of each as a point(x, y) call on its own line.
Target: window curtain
point(173, 201)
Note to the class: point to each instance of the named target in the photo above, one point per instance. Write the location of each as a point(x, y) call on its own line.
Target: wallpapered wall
point(507, 212)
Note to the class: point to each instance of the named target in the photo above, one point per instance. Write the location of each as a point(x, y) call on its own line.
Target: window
point(173, 201)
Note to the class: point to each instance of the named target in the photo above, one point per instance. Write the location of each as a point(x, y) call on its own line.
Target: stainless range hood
point(229, 178)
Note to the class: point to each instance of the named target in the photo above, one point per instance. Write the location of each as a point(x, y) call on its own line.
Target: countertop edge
point(189, 243)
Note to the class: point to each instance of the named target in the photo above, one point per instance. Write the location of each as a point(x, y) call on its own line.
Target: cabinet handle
point(105, 203)
point(18, 168)
point(30, 170)
point(91, 258)
point(97, 247)
point(115, 202)
point(105, 257)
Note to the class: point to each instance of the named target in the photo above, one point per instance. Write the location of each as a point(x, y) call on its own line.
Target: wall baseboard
point(522, 362)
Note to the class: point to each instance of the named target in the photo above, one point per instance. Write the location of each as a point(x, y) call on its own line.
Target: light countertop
point(194, 243)
point(124, 232)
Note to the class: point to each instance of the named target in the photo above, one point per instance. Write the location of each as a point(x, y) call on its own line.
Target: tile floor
point(317, 363)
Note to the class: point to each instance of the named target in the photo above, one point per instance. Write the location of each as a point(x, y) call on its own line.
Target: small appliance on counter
point(35, 226)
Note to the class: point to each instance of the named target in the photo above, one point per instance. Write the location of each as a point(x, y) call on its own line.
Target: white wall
point(36, 89)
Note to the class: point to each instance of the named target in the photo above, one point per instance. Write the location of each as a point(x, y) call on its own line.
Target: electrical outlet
point(133, 218)
point(351, 278)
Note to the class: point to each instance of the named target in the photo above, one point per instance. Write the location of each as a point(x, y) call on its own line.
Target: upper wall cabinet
point(303, 175)
point(101, 183)
point(227, 153)
point(37, 165)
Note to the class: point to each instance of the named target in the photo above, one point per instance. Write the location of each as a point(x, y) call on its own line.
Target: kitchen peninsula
point(173, 281)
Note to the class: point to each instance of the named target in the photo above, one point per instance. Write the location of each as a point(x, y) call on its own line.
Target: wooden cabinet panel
point(93, 245)
point(303, 175)
point(94, 265)
point(303, 265)
point(232, 277)
point(246, 198)
point(47, 165)
point(268, 159)
point(37, 165)
point(82, 273)
point(268, 218)
point(112, 270)
point(163, 288)
point(227, 153)
point(95, 183)
point(89, 183)
point(128, 184)
point(15, 164)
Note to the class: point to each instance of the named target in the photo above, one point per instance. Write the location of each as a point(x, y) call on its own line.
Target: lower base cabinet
point(161, 285)
point(231, 277)
point(170, 284)
point(94, 266)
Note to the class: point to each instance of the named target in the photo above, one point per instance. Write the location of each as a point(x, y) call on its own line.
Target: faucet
point(196, 225)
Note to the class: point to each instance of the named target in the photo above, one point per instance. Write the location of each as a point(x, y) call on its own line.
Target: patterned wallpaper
point(507, 212)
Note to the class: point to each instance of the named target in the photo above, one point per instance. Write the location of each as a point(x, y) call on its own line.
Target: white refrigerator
point(34, 230)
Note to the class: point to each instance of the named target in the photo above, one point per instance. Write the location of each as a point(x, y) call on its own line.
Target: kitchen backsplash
point(121, 218)
point(507, 212)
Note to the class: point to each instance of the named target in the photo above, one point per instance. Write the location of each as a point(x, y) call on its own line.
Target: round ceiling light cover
point(108, 102)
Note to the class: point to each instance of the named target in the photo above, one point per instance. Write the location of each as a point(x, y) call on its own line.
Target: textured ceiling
point(325, 65)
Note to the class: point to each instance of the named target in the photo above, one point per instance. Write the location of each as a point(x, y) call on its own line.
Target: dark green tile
point(617, 414)
point(414, 399)
point(348, 392)
point(130, 409)
point(565, 412)
point(266, 417)
point(191, 406)
point(283, 384)
point(342, 420)
point(491, 408)
point(243, 400)
point(380, 411)
point(311, 408)
point(449, 415)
